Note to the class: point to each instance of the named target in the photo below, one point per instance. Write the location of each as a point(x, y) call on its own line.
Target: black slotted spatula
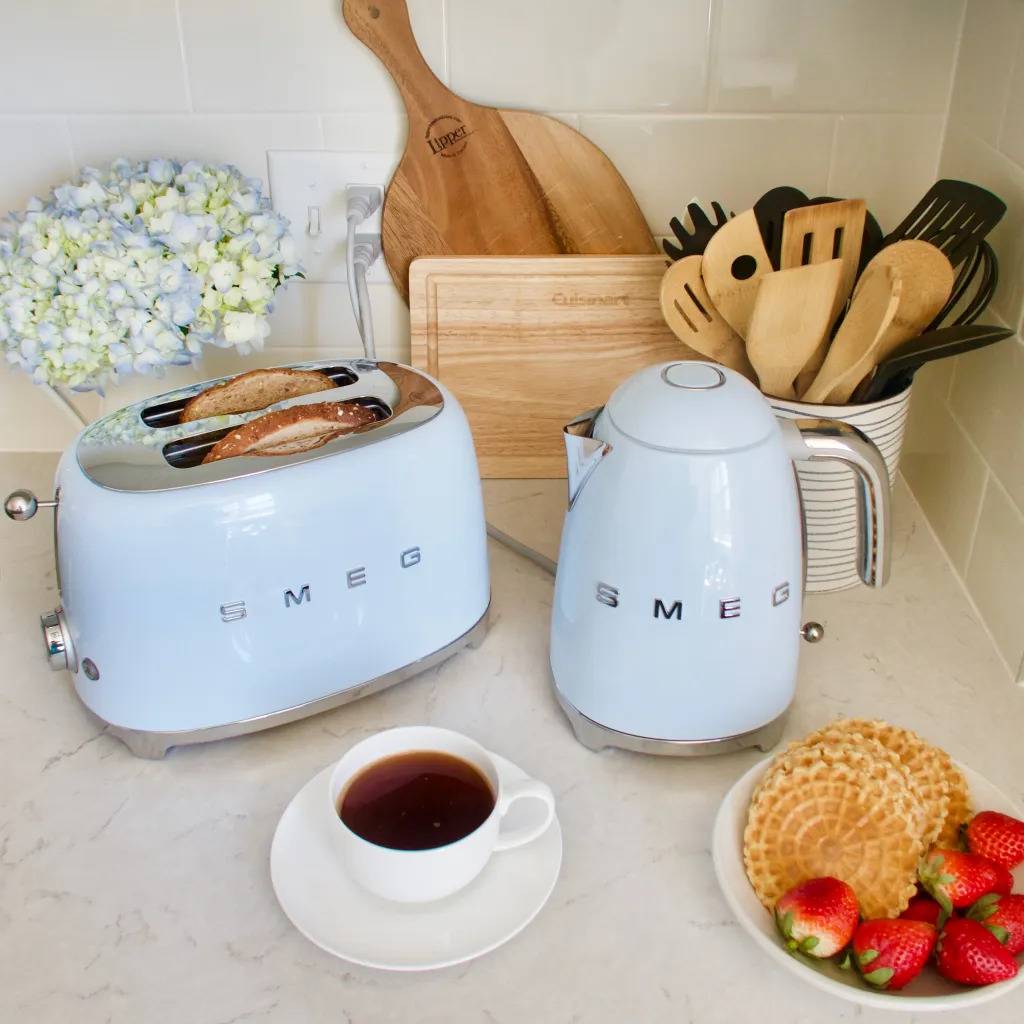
point(954, 216)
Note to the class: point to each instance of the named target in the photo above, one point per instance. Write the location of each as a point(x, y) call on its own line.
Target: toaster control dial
point(60, 652)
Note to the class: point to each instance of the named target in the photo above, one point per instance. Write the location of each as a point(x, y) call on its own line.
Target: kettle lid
point(691, 407)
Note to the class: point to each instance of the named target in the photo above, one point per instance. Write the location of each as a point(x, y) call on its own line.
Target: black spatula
point(954, 216)
point(897, 371)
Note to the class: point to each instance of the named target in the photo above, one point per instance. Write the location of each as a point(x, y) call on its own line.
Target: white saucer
point(333, 912)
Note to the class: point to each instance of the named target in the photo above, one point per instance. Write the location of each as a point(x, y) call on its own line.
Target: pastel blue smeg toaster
point(206, 600)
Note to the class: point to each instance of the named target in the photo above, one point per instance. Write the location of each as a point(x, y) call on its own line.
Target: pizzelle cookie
point(959, 801)
point(931, 770)
point(835, 809)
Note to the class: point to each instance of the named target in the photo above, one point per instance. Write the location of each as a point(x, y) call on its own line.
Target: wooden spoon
point(734, 262)
point(791, 315)
point(927, 278)
point(860, 337)
point(695, 321)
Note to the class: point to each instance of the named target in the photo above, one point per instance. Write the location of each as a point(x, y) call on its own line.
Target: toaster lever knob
point(58, 643)
point(22, 505)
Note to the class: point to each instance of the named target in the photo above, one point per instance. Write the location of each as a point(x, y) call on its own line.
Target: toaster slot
point(188, 452)
point(168, 414)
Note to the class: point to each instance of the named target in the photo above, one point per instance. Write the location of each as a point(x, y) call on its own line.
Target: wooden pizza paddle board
point(475, 180)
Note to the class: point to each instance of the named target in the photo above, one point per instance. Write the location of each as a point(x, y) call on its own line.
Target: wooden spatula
point(791, 315)
point(734, 262)
point(695, 321)
point(474, 180)
point(816, 234)
point(860, 337)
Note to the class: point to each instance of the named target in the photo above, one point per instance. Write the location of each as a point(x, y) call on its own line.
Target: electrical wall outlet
point(308, 187)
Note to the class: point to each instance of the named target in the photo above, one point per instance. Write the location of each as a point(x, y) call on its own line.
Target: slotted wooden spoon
point(693, 318)
point(477, 181)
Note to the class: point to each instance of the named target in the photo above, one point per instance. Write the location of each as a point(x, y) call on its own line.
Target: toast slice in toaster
point(254, 390)
point(291, 431)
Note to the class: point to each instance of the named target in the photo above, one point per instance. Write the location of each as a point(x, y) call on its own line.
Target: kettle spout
point(582, 451)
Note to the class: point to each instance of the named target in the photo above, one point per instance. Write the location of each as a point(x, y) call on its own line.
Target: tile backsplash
point(719, 99)
point(964, 454)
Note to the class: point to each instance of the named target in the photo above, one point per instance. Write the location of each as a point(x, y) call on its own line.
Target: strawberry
point(956, 879)
point(998, 837)
point(817, 917)
point(922, 908)
point(890, 953)
point(971, 955)
point(1003, 916)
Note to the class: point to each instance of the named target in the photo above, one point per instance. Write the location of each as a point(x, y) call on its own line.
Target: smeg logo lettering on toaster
point(447, 136)
point(290, 598)
point(359, 576)
point(672, 609)
point(232, 611)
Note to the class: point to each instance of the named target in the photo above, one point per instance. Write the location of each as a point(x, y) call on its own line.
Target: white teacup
point(416, 876)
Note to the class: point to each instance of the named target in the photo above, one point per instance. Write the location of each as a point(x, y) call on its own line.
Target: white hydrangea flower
point(135, 267)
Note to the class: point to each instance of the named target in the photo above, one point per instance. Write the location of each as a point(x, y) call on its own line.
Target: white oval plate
point(333, 912)
point(928, 992)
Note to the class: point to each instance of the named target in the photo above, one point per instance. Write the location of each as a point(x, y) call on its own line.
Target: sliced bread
point(254, 390)
point(291, 431)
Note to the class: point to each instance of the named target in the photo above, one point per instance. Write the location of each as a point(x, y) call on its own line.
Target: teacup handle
point(523, 789)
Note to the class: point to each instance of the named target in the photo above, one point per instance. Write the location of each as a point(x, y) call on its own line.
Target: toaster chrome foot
point(596, 737)
point(154, 745)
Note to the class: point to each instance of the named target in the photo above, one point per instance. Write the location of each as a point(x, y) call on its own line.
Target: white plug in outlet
point(308, 187)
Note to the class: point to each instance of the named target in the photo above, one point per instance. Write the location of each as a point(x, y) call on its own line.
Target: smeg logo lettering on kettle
point(447, 136)
point(672, 610)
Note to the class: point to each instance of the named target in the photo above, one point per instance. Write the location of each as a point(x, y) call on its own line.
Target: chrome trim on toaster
point(154, 745)
point(595, 736)
point(121, 452)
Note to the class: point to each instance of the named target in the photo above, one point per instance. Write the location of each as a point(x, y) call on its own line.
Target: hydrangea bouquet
point(136, 267)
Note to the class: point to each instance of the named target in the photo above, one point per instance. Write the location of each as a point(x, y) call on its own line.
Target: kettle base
point(595, 736)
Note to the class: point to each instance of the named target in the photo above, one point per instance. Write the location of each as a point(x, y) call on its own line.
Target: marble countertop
point(138, 891)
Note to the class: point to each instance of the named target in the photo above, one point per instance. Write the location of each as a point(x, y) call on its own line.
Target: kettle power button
point(693, 376)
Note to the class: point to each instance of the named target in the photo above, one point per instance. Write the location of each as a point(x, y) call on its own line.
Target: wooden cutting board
point(526, 344)
point(474, 180)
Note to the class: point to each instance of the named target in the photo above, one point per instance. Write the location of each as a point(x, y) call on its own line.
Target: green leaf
point(809, 943)
point(880, 977)
point(847, 962)
point(867, 956)
point(999, 932)
point(785, 923)
point(985, 907)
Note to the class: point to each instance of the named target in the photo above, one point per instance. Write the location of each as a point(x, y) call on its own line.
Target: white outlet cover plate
point(306, 184)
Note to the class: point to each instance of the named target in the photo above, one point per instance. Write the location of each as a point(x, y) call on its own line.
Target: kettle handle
point(815, 440)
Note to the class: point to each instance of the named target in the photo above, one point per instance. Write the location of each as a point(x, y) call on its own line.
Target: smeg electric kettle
point(677, 612)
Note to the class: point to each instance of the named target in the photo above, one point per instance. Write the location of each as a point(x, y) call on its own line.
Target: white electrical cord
point(354, 220)
point(361, 252)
